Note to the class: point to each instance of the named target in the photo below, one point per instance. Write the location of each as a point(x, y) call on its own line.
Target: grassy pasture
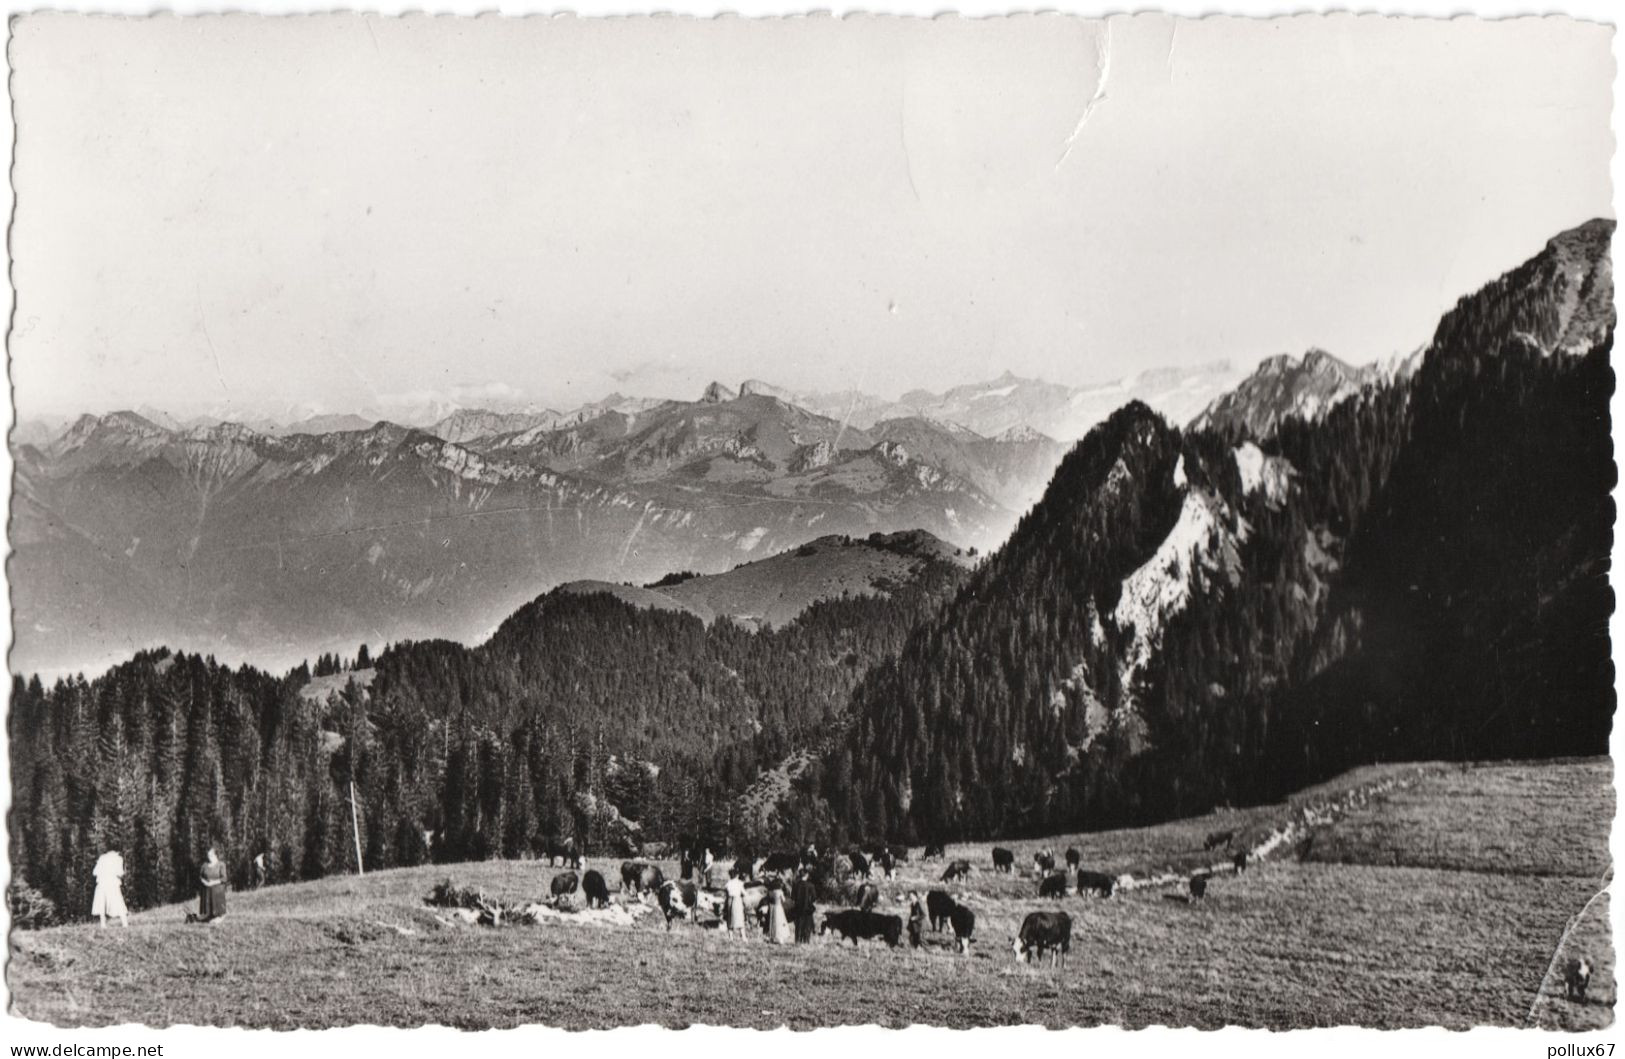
point(1440, 903)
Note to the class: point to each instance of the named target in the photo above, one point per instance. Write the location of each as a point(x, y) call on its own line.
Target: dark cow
point(1052, 885)
point(933, 851)
point(641, 877)
point(860, 864)
point(854, 924)
point(1219, 838)
point(1240, 861)
point(1096, 882)
point(886, 863)
point(899, 853)
point(1073, 859)
point(596, 890)
point(563, 852)
point(1003, 859)
point(964, 921)
point(782, 863)
point(1043, 862)
point(566, 882)
point(1199, 886)
point(1043, 932)
point(959, 869)
point(916, 925)
point(1576, 976)
point(941, 907)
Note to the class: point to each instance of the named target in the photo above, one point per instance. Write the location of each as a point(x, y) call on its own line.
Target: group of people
point(786, 914)
point(108, 900)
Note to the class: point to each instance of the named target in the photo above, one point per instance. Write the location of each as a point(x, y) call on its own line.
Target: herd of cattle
point(847, 878)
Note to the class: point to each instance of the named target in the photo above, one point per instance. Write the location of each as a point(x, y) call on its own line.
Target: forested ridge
point(1421, 573)
point(583, 716)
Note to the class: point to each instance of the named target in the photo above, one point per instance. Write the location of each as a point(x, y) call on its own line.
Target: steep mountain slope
point(1283, 386)
point(1185, 620)
point(1012, 468)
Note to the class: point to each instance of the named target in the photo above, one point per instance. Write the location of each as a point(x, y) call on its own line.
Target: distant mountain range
point(275, 540)
point(274, 548)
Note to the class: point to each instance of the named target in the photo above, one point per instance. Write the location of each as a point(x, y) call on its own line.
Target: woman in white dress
point(778, 922)
point(109, 897)
point(735, 908)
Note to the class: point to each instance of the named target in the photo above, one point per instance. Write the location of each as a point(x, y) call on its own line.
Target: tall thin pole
point(355, 829)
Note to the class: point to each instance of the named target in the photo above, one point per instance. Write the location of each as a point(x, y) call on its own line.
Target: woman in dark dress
point(211, 897)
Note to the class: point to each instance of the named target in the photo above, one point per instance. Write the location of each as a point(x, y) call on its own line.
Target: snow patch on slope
point(1272, 474)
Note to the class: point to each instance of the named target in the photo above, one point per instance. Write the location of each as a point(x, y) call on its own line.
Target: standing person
point(109, 897)
point(803, 905)
point(211, 897)
point(736, 904)
point(260, 874)
point(778, 924)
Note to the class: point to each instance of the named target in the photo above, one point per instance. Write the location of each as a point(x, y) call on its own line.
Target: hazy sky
point(243, 213)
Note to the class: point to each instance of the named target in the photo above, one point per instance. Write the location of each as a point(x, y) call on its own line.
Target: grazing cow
point(1096, 882)
point(563, 852)
point(916, 924)
point(860, 864)
point(1043, 862)
point(899, 853)
point(677, 900)
point(1576, 976)
point(1199, 886)
point(1053, 885)
point(596, 889)
point(1043, 932)
point(1003, 860)
point(755, 897)
point(941, 907)
point(1073, 858)
point(959, 869)
point(854, 924)
point(933, 851)
point(1219, 838)
point(641, 877)
point(964, 921)
point(867, 896)
point(1240, 861)
point(782, 863)
point(886, 863)
point(565, 883)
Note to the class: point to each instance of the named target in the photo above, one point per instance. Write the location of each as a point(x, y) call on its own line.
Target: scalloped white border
point(652, 1042)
